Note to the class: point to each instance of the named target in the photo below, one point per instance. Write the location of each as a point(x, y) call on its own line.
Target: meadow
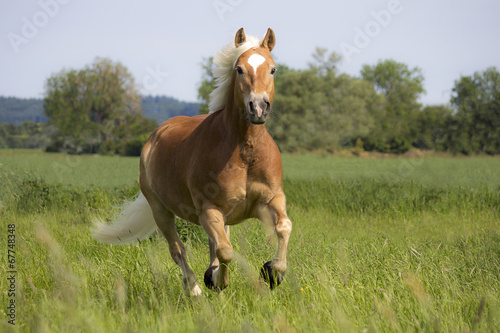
point(378, 245)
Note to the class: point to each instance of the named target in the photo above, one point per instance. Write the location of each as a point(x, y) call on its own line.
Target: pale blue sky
point(162, 43)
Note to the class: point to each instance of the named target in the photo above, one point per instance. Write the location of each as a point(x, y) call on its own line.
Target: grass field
point(379, 245)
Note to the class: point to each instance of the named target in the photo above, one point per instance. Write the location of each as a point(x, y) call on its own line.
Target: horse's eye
point(239, 70)
point(273, 70)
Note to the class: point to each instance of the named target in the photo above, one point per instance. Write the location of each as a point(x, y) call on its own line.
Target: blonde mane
point(222, 70)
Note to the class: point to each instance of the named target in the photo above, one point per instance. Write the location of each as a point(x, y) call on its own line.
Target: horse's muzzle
point(258, 108)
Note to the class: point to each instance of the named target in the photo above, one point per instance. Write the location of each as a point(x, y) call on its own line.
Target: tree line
point(319, 108)
point(98, 109)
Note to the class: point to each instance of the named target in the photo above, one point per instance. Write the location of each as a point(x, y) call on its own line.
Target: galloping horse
point(214, 170)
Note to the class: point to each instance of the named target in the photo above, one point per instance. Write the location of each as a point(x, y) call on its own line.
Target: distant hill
point(161, 108)
point(17, 110)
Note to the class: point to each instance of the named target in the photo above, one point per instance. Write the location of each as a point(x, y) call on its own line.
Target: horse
point(214, 170)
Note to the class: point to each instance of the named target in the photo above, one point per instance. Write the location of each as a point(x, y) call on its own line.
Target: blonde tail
point(134, 223)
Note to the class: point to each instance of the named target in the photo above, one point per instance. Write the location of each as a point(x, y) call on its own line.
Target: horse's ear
point(240, 38)
point(269, 40)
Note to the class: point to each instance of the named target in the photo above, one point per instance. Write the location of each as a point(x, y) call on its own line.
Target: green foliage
point(67, 104)
point(400, 85)
point(429, 127)
point(474, 126)
point(207, 84)
point(133, 147)
point(95, 109)
point(27, 135)
point(366, 254)
point(318, 109)
point(128, 136)
point(322, 63)
point(401, 88)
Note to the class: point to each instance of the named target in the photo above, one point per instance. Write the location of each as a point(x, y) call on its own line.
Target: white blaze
point(255, 61)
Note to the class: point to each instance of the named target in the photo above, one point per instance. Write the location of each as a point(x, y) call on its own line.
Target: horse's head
point(254, 78)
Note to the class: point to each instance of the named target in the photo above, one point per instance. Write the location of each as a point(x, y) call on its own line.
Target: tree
point(91, 106)
point(207, 84)
point(318, 109)
point(401, 87)
point(429, 129)
point(324, 64)
point(67, 104)
point(475, 125)
point(112, 92)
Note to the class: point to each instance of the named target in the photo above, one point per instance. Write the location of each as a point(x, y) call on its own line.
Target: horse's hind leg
point(166, 223)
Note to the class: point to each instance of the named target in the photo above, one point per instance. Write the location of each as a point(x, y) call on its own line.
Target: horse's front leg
point(275, 212)
point(221, 251)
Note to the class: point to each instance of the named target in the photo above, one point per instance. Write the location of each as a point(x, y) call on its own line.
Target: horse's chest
point(242, 195)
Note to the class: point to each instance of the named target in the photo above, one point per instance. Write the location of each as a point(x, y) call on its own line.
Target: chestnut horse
point(214, 170)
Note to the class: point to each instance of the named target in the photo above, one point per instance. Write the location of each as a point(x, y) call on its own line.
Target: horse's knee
point(284, 227)
point(224, 253)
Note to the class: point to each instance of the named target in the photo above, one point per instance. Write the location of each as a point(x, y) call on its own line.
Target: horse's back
point(182, 125)
point(172, 132)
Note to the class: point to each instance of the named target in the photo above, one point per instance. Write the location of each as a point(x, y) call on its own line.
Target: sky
point(163, 43)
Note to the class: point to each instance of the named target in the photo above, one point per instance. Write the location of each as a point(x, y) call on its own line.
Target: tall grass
point(366, 254)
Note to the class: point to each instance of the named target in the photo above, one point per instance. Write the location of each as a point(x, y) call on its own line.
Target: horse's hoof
point(273, 278)
point(195, 292)
point(208, 278)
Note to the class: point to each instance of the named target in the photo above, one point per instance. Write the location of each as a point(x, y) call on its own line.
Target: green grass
point(109, 171)
point(435, 171)
point(78, 170)
point(371, 251)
